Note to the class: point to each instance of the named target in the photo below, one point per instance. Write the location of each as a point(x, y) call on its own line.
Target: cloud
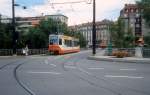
point(77, 13)
point(5, 7)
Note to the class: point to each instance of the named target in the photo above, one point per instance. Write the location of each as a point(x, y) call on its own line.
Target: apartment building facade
point(5, 19)
point(102, 32)
point(131, 15)
point(24, 23)
point(58, 17)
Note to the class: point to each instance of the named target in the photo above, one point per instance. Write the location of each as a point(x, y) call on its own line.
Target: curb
point(124, 60)
point(5, 56)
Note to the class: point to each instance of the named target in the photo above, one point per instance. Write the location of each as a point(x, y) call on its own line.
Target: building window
point(137, 25)
point(126, 10)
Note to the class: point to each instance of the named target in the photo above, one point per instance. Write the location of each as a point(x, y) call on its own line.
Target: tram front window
point(53, 40)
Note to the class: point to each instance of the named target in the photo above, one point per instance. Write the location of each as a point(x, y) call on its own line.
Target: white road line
point(84, 71)
point(53, 65)
point(46, 61)
point(132, 77)
point(95, 68)
point(71, 67)
point(54, 73)
point(128, 69)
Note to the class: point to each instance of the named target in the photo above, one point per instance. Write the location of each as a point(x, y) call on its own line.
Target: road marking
point(84, 71)
point(54, 73)
point(132, 77)
point(71, 67)
point(128, 69)
point(53, 65)
point(95, 68)
point(46, 61)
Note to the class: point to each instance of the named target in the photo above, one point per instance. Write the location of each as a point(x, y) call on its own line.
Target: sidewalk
point(5, 56)
point(124, 60)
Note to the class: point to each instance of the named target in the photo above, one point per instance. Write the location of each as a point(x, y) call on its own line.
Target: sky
point(77, 13)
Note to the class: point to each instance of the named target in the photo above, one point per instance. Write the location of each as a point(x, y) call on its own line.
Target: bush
point(120, 54)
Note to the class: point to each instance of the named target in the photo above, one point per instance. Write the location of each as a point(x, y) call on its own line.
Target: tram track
point(116, 92)
point(84, 79)
point(63, 60)
point(16, 76)
point(7, 64)
point(27, 89)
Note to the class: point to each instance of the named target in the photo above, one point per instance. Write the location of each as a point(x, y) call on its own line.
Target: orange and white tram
point(61, 44)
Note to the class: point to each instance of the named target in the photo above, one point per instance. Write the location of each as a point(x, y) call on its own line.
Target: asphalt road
point(72, 74)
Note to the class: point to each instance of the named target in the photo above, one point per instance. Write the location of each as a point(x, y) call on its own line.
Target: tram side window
point(68, 43)
point(76, 43)
point(60, 41)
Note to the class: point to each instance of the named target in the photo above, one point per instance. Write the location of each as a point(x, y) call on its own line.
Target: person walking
point(26, 50)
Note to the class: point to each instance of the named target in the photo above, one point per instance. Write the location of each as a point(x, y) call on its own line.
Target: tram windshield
point(53, 39)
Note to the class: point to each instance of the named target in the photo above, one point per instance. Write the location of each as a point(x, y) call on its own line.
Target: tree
point(119, 37)
point(145, 6)
point(147, 40)
point(36, 39)
point(76, 34)
point(5, 36)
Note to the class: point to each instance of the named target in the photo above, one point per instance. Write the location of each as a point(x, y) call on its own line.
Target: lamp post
point(14, 33)
point(14, 42)
point(94, 29)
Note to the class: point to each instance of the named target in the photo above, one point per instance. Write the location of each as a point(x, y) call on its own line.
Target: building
point(5, 19)
point(131, 15)
point(102, 32)
point(24, 23)
point(58, 17)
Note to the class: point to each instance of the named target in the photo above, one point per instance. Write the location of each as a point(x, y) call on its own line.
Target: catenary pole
point(13, 28)
point(94, 28)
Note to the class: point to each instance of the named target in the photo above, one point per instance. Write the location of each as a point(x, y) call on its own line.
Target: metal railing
point(131, 51)
point(146, 52)
point(37, 51)
point(9, 52)
point(6, 52)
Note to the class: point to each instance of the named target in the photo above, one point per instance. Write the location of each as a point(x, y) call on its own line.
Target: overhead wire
point(52, 3)
point(73, 2)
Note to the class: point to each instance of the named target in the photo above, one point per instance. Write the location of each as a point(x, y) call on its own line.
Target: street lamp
point(14, 33)
point(94, 29)
point(14, 42)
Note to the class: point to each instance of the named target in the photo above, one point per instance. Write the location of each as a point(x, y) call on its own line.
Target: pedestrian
point(23, 51)
point(26, 50)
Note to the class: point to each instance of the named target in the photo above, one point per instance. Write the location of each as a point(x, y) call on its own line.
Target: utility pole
point(94, 28)
point(14, 42)
point(0, 19)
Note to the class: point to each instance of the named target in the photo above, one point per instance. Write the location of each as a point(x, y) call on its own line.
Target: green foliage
point(5, 36)
point(145, 6)
point(119, 37)
point(82, 41)
point(147, 40)
point(37, 37)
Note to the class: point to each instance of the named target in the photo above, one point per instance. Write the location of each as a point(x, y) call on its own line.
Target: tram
point(61, 44)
